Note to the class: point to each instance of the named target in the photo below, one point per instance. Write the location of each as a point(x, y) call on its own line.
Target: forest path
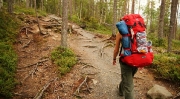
point(94, 74)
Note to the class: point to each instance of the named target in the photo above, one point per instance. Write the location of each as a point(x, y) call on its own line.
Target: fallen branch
point(77, 90)
point(87, 65)
point(177, 96)
point(40, 93)
point(27, 44)
point(30, 73)
point(107, 44)
point(33, 64)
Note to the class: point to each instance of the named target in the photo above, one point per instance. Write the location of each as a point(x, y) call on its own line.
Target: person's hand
point(114, 61)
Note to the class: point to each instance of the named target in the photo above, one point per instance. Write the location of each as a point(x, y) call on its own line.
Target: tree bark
point(174, 4)
point(1, 4)
point(27, 3)
point(114, 19)
point(161, 20)
point(64, 23)
point(139, 7)
point(37, 16)
point(133, 3)
point(10, 6)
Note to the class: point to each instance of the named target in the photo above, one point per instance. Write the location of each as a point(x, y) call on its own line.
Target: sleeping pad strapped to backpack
point(137, 50)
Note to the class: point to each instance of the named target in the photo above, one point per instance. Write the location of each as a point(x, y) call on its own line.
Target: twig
point(26, 32)
point(177, 96)
point(77, 90)
point(26, 45)
point(40, 93)
point(33, 64)
point(30, 73)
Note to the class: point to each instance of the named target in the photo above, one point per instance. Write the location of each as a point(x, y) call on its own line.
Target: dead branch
point(27, 44)
point(33, 64)
point(89, 46)
point(86, 65)
point(78, 89)
point(105, 45)
point(177, 96)
point(40, 93)
point(30, 73)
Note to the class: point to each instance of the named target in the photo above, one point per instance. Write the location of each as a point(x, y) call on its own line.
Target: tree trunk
point(133, 3)
point(174, 4)
point(37, 16)
point(139, 7)
point(125, 8)
point(114, 19)
point(64, 23)
point(70, 7)
point(1, 4)
point(161, 20)
point(42, 5)
point(27, 3)
point(59, 11)
point(10, 6)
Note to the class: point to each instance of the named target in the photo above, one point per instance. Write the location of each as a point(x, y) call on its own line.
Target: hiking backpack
point(137, 50)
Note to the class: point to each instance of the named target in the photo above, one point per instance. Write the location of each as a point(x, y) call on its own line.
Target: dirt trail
point(36, 70)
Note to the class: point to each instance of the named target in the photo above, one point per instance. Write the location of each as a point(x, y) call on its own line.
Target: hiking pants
point(126, 86)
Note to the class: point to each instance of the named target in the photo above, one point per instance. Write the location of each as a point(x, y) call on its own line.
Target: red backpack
point(140, 49)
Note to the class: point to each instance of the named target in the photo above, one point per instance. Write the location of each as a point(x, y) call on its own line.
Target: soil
point(93, 77)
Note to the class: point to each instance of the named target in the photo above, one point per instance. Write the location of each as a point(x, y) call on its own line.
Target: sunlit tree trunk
point(133, 3)
point(59, 11)
point(80, 10)
point(64, 23)
point(124, 11)
point(174, 4)
point(27, 3)
point(139, 7)
point(161, 20)
point(35, 7)
point(10, 6)
point(42, 5)
point(114, 18)
point(128, 9)
point(148, 14)
point(1, 4)
point(70, 7)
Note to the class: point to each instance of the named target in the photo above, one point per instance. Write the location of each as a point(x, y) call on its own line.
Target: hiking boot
point(120, 94)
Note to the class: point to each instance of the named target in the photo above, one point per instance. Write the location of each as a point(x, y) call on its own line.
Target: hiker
point(126, 86)
point(135, 52)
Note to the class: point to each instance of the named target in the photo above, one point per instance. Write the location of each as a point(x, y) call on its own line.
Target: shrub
point(8, 58)
point(167, 65)
point(64, 58)
point(8, 63)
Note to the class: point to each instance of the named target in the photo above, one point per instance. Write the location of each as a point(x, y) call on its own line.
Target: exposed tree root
point(40, 93)
point(33, 64)
point(76, 93)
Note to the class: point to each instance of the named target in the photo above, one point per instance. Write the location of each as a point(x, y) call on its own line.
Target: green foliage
point(8, 27)
point(8, 63)
point(74, 19)
point(8, 59)
point(92, 23)
point(19, 10)
point(167, 65)
point(64, 58)
point(176, 45)
point(28, 11)
point(157, 42)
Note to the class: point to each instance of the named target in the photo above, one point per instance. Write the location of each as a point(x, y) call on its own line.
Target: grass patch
point(64, 58)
